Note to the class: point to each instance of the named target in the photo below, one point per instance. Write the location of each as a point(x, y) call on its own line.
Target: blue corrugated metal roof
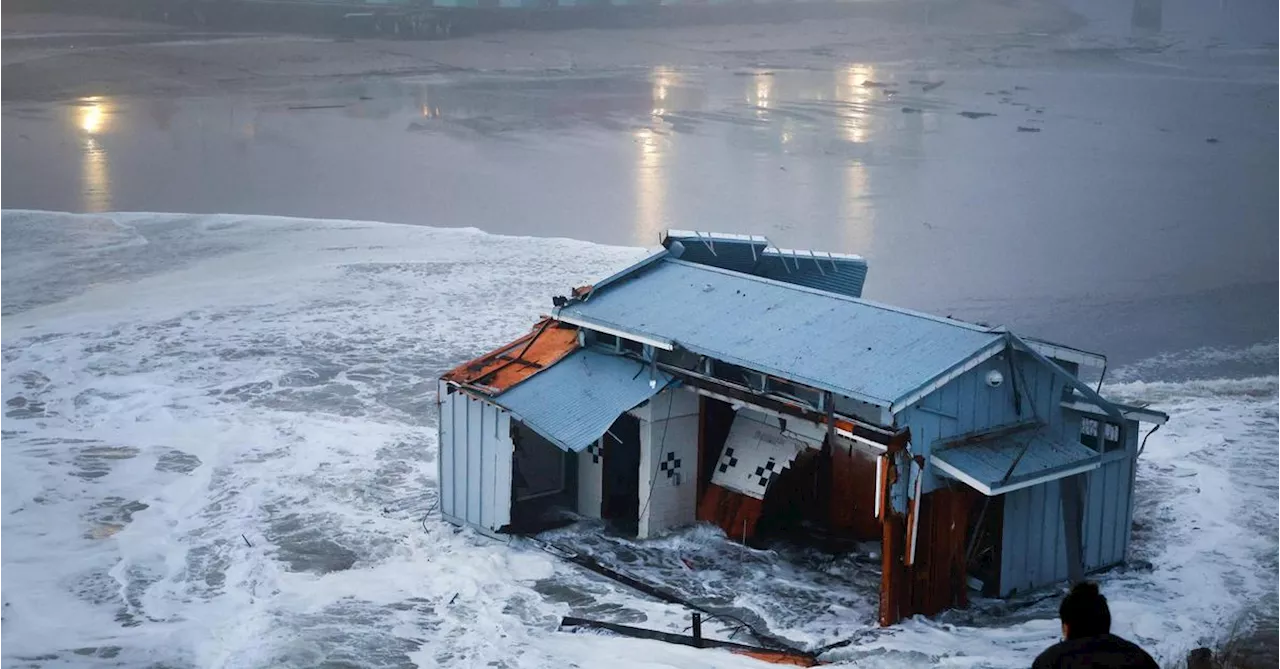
point(752, 254)
point(983, 463)
point(739, 253)
point(856, 348)
point(574, 401)
point(832, 272)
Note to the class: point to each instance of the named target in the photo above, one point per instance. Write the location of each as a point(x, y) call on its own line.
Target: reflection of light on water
point(651, 186)
point(763, 90)
point(664, 78)
point(93, 118)
point(854, 91)
point(96, 177)
point(856, 210)
point(92, 114)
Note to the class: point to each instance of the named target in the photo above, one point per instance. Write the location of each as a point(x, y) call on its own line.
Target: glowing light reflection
point(93, 118)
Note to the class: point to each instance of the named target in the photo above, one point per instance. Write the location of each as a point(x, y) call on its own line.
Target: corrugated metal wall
point(1034, 550)
point(475, 461)
point(967, 404)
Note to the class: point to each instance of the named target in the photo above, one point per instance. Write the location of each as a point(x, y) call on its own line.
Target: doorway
point(620, 487)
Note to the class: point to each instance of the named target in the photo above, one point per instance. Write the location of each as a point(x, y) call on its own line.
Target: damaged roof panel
point(833, 272)
point(1028, 456)
point(577, 399)
point(503, 368)
point(859, 349)
point(841, 273)
point(739, 253)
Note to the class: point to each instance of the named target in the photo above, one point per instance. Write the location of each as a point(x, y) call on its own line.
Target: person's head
point(1084, 612)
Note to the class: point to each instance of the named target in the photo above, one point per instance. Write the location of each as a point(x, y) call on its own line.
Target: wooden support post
point(894, 590)
point(697, 630)
point(891, 576)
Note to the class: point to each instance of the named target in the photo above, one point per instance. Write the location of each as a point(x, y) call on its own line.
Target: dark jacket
point(1107, 651)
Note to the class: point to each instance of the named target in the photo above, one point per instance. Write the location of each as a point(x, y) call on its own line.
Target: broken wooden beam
point(795, 658)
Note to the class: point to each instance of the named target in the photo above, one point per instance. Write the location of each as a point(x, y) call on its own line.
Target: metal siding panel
point(999, 404)
point(502, 473)
point(444, 465)
point(1024, 539)
point(475, 456)
point(949, 402)
point(578, 398)
point(1105, 527)
point(981, 400)
point(1008, 535)
point(1034, 535)
point(488, 455)
point(1014, 555)
point(1055, 550)
point(879, 353)
point(1115, 511)
point(924, 428)
point(1129, 486)
point(1122, 510)
point(1046, 407)
point(1109, 521)
point(1095, 506)
point(964, 403)
point(462, 446)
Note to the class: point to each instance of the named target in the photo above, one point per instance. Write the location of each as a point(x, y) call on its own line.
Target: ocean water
point(219, 450)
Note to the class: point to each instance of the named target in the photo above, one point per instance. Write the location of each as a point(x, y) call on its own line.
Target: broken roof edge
point(809, 253)
point(1078, 356)
point(496, 372)
point(673, 233)
point(654, 256)
point(1141, 414)
point(769, 248)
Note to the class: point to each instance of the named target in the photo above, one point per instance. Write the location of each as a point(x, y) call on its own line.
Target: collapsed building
point(723, 380)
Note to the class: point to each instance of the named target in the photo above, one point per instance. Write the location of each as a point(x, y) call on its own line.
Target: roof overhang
point(649, 340)
point(980, 356)
point(1066, 353)
point(574, 402)
point(1140, 414)
point(1010, 458)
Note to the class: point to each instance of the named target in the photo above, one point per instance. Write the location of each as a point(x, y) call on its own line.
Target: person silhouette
point(1089, 643)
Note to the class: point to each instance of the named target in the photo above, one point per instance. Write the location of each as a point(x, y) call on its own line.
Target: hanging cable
point(653, 477)
point(1144, 440)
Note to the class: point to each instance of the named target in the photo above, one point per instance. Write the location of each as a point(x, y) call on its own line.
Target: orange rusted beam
point(735, 513)
point(779, 657)
point(498, 370)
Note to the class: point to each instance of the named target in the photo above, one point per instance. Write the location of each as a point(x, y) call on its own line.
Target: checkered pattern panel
point(753, 456)
point(670, 464)
point(595, 452)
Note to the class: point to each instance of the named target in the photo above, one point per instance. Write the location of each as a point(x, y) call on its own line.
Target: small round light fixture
point(995, 378)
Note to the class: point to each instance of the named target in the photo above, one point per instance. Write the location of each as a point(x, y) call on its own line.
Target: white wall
point(668, 434)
